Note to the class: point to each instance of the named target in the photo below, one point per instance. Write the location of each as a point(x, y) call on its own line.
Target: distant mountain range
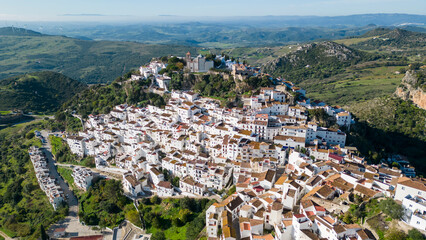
point(357, 20)
point(24, 51)
point(13, 31)
point(227, 32)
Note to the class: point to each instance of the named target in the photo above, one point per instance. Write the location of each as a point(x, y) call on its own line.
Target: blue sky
point(39, 10)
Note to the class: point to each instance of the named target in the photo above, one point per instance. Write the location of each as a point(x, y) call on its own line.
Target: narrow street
point(72, 225)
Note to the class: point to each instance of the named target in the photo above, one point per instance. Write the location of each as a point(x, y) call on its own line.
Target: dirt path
point(5, 236)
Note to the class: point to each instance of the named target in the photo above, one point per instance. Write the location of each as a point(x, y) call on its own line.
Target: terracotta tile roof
point(364, 190)
point(164, 184)
point(365, 234)
point(310, 234)
point(264, 237)
point(256, 222)
point(235, 203)
point(276, 206)
point(339, 228)
point(420, 185)
point(325, 191)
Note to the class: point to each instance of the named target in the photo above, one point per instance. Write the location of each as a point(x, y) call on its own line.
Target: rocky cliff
point(413, 88)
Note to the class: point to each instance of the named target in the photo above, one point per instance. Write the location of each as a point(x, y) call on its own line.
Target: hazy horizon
point(132, 10)
point(92, 19)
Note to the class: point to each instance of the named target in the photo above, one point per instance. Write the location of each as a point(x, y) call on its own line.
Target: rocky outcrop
point(410, 89)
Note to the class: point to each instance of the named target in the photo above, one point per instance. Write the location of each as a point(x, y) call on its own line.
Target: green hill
point(314, 60)
point(339, 74)
point(12, 31)
point(25, 51)
point(101, 99)
point(391, 41)
point(37, 92)
point(24, 207)
point(387, 39)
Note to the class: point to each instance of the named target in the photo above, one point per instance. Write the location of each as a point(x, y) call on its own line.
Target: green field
point(351, 41)
point(355, 85)
point(5, 112)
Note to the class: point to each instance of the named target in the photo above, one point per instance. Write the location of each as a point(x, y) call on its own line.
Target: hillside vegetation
point(102, 99)
point(397, 41)
point(12, 31)
point(387, 39)
point(182, 218)
point(86, 61)
point(356, 83)
point(37, 92)
point(24, 207)
point(316, 60)
point(345, 71)
point(104, 204)
point(390, 125)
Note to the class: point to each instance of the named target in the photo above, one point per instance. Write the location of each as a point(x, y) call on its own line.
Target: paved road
point(72, 225)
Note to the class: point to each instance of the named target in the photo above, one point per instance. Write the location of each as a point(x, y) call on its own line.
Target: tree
point(395, 234)
point(44, 235)
point(176, 222)
point(415, 66)
point(148, 217)
point(186, 203)
point(156, 222)
point(415, 234)
point(133, 216)
point(231, 191)
point(30, 135)
point(166, 174)
point(159, 235)
point(180, 65)
point(184, 215)
point(155, 199)
point(391, 208)
point(175, 181)
point(347, 218)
